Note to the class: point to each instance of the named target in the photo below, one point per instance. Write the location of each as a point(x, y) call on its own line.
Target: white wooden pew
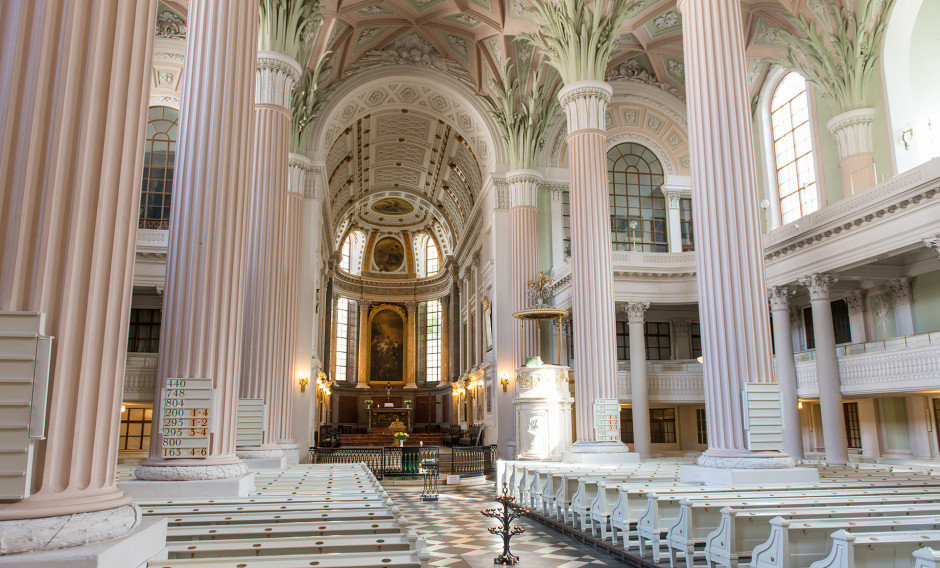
point(276, 546)
point(419, 558)
point(799, 542)
point(926, 558)
point(743, 529)
point(662, 512)
point(875, 550)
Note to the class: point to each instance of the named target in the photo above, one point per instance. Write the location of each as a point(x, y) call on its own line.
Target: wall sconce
point(303, 383)
point(123, 408)
point(505, 383)
point(906, 137)
point(799, 405)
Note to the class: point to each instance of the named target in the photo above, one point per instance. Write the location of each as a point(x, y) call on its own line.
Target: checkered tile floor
point(457, 533)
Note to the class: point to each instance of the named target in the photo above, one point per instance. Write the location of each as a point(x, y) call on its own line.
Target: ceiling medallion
point(392, 206)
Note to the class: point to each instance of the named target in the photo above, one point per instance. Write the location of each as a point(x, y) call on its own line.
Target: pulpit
point(383, 417)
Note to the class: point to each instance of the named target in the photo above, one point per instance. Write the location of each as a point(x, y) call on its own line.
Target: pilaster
point(903, 314)
point(362, 374)
point(856, 304)
point(410, 346)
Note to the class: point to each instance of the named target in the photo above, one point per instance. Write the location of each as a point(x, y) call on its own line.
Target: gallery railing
point(393, 461)
point(372, 457)
point(473, 461)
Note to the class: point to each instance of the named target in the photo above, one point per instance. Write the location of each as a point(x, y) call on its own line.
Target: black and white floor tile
point(457, 533)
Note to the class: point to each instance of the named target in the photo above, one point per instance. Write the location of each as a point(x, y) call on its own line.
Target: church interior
point(290, 283)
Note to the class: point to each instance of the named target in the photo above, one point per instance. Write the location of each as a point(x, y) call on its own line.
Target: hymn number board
point(606, 420)
point(187, 405)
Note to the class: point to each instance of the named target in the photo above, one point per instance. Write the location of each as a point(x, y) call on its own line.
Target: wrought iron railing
point(473, 461)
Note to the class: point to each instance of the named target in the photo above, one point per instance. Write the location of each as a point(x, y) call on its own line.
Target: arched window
point(433, 262)
point(159, 159)
point(794, 162)
point(637, 204)
point(351, 252)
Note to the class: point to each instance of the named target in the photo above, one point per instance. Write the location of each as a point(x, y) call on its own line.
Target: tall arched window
point(351, 252)
point(793, 149)
point(159, 159)
point(637, 204)
point(433, 258)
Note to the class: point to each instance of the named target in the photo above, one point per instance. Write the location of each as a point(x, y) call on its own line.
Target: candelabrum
point(506, 515)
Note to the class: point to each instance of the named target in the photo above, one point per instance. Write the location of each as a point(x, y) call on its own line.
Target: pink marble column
point(204, 300)
point(266, 364)
point(639, 386)
point(592, 295)
point(827, 368)
point(299, 348)
point(852, 131)
point(733, 308)
point(785, 370)
point(523, 253)
point(74, 80)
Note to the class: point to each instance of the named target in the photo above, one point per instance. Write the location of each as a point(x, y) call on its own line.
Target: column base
point(600, 453)
point(43, 534)
point(411, 385)
point(255, 459)
point(230, 487)
point(363, 386)
point(292, 452)
point(265, 463)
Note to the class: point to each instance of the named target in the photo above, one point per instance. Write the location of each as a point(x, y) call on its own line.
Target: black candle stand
point(506, 515)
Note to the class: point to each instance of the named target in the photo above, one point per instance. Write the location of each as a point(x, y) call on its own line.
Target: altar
point(382, 417)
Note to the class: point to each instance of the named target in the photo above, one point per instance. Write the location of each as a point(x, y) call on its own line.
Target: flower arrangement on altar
point(407, 404)
point(368, 403)
point(400, 436)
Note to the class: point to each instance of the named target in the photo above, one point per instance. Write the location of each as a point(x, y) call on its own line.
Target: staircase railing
point(473, 461)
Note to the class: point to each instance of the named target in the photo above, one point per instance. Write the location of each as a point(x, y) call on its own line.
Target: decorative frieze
point(170, 26)
point(818, 285)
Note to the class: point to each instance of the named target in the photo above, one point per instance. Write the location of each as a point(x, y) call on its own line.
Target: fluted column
point(673, 221)
point(445, 339)
point(852, 131)
point(558, 230)
point(786, 370)
point(74, 80)
point(592, 296)
point(296, 357)
point(266, 368)
point(733, 310)
point(827, 368)
point(362, 375)
point(639, 387)
point(478, 319)
point(411, 347)
point(523, 252)
point(903, 313)
point(207, 255)
point(453, 339)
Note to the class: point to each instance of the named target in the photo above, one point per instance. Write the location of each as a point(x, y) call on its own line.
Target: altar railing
point(391, 461)
point(473, 461)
